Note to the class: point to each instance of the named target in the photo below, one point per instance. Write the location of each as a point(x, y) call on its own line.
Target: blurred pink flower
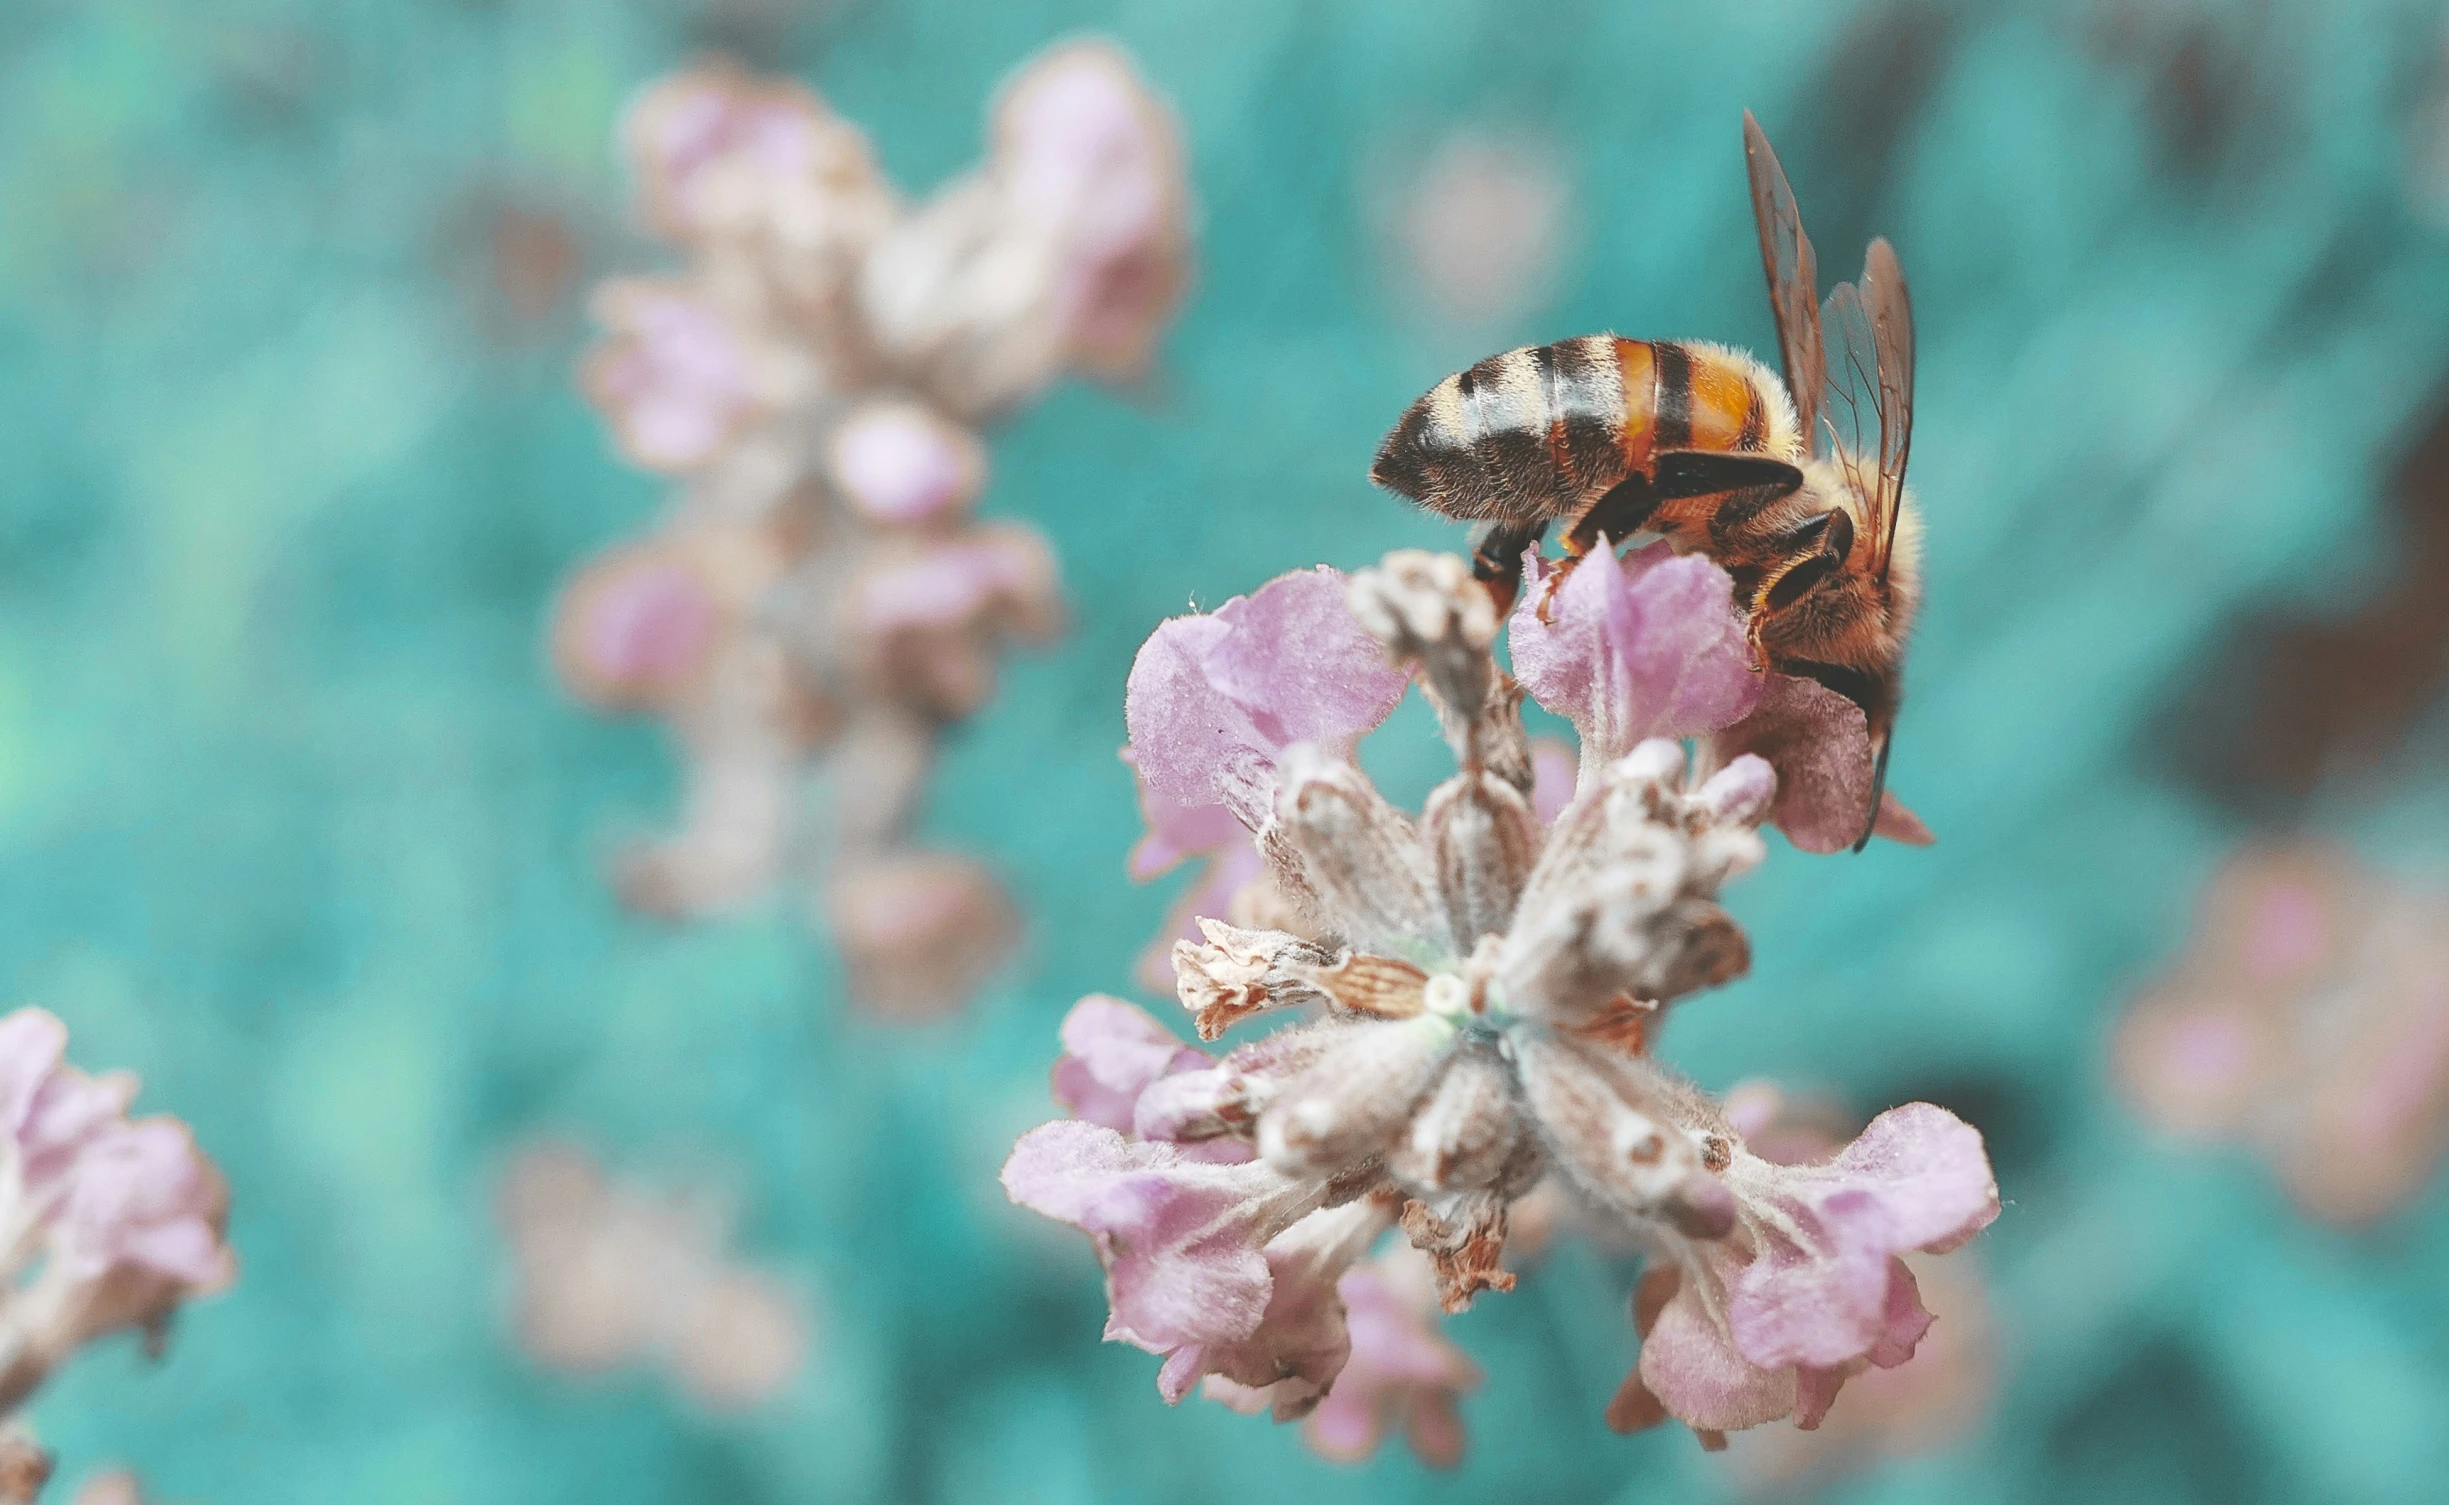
point(896, 462)
point(112, 1223)
point(721, 155)
point(610, 1274)
point(1403, 1374)
point(814, 374)
point(2309, 1016)
point(920, 931)
point(636, 628)
point(674, 375)
point(1084, 148)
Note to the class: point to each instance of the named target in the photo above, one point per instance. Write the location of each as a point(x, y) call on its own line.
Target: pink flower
point(1809, 1290)
point(957, 585)
point(919, 931)
point(896, 462)
point(1300, 1346)
point(1652, 646)
point(1403, 1373)
point(1181, 1240)
point(1490, 980)
point(1649, 646)
point(2310, 1017)
point(1216, 700)
point(673, 376)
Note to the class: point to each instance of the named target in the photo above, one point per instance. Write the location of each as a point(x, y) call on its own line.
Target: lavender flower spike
point(1489, 979)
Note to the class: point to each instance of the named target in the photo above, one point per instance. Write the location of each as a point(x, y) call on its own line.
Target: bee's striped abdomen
point(1541, 431)
point(1527, 434)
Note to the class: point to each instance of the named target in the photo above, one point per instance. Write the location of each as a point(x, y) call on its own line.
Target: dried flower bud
point(1242, 972)
point(1484, 840)
point(1360, 855)
point(1348, 1106)
point(1466, 1131)
point(1606, 1126)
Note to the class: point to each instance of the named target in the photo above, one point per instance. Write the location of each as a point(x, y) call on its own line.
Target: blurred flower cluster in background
point(358, 451)
point(814, 379)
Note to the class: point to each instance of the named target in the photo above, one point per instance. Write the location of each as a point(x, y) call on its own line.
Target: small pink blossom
point(1215, 700)
point(1112, 1052)
point(721, 154)
point(1651, 645)
point(2309, 1016)
point(636, 627)
point(1820, 744)
point(896, 462)
point(124, 1217)
point(673, 375)
point(954, 585)
point(919, 931)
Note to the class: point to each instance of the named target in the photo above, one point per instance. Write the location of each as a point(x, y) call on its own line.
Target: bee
point(1796, 488)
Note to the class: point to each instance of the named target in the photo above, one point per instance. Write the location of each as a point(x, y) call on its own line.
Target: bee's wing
point(1869, 393)
point(1794, 287)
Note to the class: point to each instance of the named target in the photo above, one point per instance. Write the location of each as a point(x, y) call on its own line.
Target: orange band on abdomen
point(1726, 408)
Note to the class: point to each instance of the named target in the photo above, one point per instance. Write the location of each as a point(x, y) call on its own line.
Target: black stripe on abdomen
point(1674, 365)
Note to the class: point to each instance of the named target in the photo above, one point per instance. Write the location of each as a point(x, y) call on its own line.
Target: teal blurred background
point(293, 821)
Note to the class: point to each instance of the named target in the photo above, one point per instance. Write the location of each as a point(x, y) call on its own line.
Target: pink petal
point(130, 1188)
point(31, 1044)
point(1820, 744)
point(1176, 831)
point(949, 588)
point(1112, 1052)
point(1931, 1174)
point(673, 377)
point(636, 624)
point(71, 1110)
point(1649, 646)
point(1694, 1370)
point(1906, 1318)
point(1898, 824)
point(1817, 1307)
point(1214, 700)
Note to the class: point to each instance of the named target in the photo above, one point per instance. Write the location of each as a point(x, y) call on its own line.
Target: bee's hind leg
point(1496, 557)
